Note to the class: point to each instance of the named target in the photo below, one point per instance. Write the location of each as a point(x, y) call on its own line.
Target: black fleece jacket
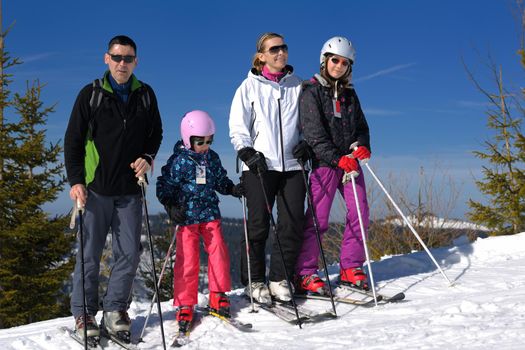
point(122, 132)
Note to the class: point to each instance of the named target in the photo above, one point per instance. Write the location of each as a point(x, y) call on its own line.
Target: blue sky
point(421, 108)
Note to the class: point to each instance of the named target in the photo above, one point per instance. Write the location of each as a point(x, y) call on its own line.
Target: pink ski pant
point(186, 269)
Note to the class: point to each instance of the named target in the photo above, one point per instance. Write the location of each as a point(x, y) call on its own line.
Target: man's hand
point(140, 166)
point(78, 193)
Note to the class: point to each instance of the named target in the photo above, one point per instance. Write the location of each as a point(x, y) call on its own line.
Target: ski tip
point(397, 297)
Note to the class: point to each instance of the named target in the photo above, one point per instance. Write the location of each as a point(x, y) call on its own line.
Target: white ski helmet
point(196, 123)
point(340, 46)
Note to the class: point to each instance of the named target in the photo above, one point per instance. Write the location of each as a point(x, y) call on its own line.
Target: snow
point(484, 309)
point(436, 222)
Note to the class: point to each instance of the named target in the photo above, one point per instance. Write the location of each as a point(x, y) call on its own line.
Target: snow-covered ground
point(485, 309)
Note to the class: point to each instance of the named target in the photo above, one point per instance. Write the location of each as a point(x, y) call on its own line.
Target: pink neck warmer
point(272, 76)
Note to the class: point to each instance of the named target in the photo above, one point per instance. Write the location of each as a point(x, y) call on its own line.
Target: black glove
point(253, 159)
point(177, 214)
point(302, 152)
point(238, 190)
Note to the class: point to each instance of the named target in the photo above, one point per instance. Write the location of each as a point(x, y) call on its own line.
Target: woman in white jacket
point(264, 130)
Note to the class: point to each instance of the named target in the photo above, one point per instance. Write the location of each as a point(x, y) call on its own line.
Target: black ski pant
point(289, 191)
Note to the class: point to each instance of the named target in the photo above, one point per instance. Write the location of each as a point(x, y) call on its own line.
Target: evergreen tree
point(503, 179)
point(35, 250)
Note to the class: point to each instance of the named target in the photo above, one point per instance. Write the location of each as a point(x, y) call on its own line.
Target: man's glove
point(348, 164)
point(361, 153)
point(238, 190)
point(302, 152)
point(177, 214)
point(253, 159)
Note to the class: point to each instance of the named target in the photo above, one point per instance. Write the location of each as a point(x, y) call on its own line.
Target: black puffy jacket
point(330, 136)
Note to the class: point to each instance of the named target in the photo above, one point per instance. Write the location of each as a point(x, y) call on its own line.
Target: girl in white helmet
point(332, 121)
point(264, 130)
point(187, 188)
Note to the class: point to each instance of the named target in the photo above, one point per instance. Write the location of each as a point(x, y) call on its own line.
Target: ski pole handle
point(142, 181)
point(348, 176)
point(73, 220)
point(78, 208)
point(353, 147)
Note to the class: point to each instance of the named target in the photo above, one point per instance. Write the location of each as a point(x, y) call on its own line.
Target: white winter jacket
point(265, 115)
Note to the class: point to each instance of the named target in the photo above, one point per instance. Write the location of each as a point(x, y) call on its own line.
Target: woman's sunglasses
point(274, 50)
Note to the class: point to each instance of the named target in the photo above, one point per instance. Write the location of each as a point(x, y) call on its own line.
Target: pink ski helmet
point(196, 123)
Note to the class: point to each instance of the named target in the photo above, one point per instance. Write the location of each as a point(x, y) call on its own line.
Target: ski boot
point(280, 291)
point(354, 277)
point(184, 317)
point(220, 303)
point(117, 324)
point(310, 283)
point(93, 332)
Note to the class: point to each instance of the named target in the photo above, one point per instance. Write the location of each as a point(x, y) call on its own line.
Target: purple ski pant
point(324, 182)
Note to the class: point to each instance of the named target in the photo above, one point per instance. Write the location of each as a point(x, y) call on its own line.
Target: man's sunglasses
point(119, 58)
point(336, 61)
point(274, 50)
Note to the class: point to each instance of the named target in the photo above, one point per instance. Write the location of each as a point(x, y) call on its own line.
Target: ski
point(365, 303)
point(244, 327)
point(116, 340)
point(309, 314)
point(285, 314)
point(93, 342)
point(182, 338)
point(385, 298)
point(183, 335)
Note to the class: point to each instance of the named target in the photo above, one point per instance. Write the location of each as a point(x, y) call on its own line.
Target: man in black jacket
point(113, 135)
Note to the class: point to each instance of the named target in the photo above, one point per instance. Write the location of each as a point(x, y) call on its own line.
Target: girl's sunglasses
point(336, 61)
point(201, 142)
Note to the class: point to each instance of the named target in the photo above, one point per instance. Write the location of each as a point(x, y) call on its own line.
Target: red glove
point(347, 164)
point(361, 153)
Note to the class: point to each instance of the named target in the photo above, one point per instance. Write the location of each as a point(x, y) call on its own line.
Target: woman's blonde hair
point(256, 63)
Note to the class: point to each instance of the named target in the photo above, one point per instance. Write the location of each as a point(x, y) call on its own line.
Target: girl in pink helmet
point(187, 189)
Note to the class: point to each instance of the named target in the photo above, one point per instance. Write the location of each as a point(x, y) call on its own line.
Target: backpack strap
point(96, 100)
point(146, 100)
point(94, 103)
point(96, 95)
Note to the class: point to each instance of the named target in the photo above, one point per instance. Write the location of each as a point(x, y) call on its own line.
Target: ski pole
point(274, 229)
point(353, 175)
point(168, 256)
point(317, 233)
point(79, 209)
point(247, 251)
point(408, 223)
point(142, 184)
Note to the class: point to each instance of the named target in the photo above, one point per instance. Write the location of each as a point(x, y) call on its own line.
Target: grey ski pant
point(123, 215)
